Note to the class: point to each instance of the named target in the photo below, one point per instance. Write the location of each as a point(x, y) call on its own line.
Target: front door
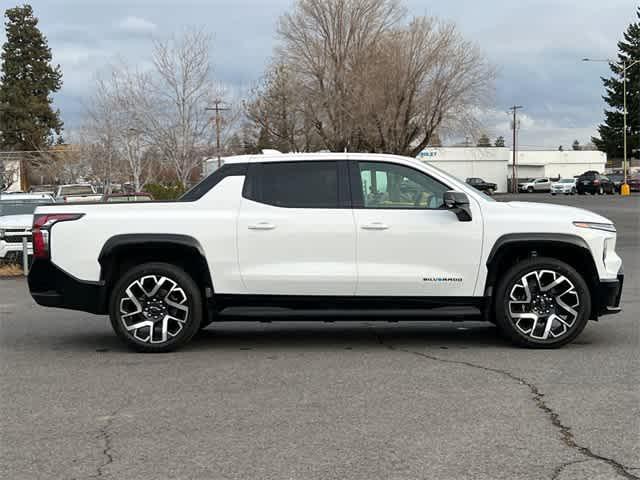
point(407, 244)
point(296, 234)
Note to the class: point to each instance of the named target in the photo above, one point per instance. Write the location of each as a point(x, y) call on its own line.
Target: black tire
point(553, 194)
point(512, 277)
point(529, 189)
point(193, 302)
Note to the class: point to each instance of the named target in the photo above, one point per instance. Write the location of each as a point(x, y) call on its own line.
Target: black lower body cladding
point(51, 286)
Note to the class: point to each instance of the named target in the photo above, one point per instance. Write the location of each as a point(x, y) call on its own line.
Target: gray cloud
point(535, 45)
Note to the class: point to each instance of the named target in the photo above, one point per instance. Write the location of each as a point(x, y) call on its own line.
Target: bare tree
point(180, 88)
point(279, 110)
point(367, 81)
point(9, 172)
point(324, 42)
point(425, 78)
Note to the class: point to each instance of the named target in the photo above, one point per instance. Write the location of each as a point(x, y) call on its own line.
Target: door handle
point(262, 226)
point(375, 226)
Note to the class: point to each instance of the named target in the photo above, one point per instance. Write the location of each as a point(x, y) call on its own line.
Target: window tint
point(387, 185)
point(294, 184)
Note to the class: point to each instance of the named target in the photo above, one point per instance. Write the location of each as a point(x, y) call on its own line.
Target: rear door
point(296, 231)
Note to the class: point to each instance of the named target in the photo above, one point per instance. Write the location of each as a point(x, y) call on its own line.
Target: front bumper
point(608, 296)
point(8, 248)
point(51, 286)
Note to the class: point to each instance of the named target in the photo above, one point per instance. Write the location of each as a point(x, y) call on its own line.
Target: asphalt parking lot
point(310, 400)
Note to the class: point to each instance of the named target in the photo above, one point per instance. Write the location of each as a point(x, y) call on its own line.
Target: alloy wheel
point(543, 305)
point(154, 309)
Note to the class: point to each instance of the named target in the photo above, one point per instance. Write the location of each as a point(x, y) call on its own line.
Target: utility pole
point(217, 108)
point(624, 190)
point(514, 170)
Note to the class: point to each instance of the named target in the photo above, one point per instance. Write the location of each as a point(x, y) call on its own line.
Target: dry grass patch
point(10, 270)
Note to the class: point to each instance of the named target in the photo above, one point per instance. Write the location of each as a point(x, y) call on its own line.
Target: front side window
point(308, 184)
point(388, 185)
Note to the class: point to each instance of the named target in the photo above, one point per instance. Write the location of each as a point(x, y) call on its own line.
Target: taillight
point(596, 182)
point(42, 229)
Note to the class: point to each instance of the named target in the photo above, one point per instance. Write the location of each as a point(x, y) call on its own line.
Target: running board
point(391, 315)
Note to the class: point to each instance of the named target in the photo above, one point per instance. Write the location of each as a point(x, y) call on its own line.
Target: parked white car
point(16, 220)
point(537, 185)
point(567, 186)
point(81, 192)
point(328, 231)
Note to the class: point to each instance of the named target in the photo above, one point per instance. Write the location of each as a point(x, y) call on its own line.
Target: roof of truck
point(274, 156)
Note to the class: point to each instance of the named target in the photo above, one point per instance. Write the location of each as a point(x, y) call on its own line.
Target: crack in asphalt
point(560, 468)
point(105, 436)
point(538, 397)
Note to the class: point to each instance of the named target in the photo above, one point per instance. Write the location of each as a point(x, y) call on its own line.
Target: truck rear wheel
point(542, 303)
point(156, 307)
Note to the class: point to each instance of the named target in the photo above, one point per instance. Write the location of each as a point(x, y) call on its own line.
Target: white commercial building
point(490, 164)
point(554, 164)
point(494, 164)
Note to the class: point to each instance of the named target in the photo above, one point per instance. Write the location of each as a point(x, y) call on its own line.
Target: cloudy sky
point(536, 46)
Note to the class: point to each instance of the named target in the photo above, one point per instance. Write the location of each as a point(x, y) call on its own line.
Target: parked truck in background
point(81, 192)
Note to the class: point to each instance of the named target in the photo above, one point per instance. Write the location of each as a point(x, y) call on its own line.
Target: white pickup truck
point(329, 232)
point(82, 192)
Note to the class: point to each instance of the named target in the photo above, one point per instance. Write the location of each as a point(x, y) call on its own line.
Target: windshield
point(20, 207)
point(77, 190)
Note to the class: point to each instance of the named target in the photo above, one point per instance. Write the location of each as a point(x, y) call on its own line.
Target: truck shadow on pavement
point(346, 335)
point(317, 335)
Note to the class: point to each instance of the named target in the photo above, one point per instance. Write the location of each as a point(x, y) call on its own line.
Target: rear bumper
point(608, 296)
point(51, 286)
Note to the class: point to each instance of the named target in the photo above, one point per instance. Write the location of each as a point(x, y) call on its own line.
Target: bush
point(164, 192)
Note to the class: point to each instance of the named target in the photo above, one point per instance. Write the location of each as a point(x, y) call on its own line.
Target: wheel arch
point(121, 252)
point(570, 249)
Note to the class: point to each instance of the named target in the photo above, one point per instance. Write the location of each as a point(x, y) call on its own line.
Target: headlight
point(607, 227)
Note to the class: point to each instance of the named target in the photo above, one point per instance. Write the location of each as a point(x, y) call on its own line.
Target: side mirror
point(458, 203)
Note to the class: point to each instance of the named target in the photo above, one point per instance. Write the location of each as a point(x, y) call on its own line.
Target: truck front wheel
point(542, 303)
point(156, 307)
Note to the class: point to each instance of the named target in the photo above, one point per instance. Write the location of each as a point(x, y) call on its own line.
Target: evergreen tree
point(499, 141)
point(28, 121)
point(611, 131)
point(576, 145)
point(484, 141)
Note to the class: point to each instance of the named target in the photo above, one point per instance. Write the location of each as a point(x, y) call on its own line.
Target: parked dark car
point(593, 182)
point(617, 179)
point(479, 184)
point(634, 182)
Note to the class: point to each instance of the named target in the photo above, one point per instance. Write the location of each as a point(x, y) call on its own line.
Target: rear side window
point(227, 170)
point(294, 184)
